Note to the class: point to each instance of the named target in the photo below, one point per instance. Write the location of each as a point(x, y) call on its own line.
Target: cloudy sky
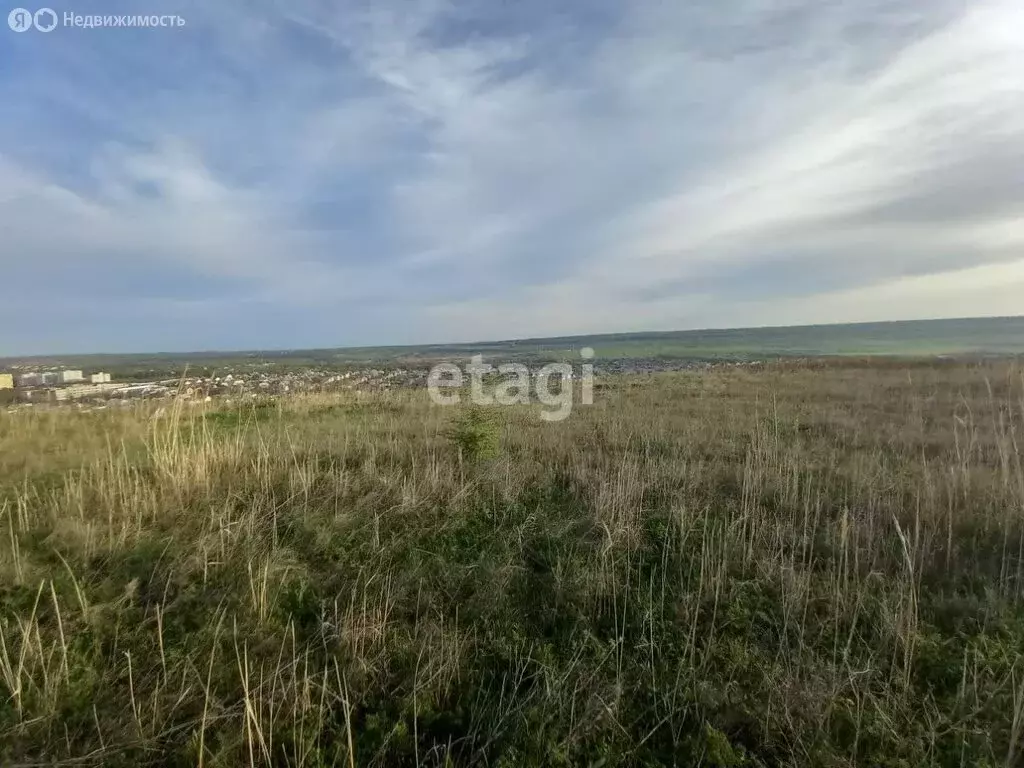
point(301, 173)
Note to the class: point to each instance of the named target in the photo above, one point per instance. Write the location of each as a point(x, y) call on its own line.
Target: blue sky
point(298, 174)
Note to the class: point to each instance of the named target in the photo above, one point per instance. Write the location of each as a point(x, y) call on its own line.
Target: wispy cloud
point(319, 174)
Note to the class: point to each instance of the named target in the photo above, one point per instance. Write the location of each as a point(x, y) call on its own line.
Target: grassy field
point(969, 337)
point(799, 566)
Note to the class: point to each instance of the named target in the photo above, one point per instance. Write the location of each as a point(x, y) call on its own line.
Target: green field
point(791, 566)
point(924, 338)
point(980, 336)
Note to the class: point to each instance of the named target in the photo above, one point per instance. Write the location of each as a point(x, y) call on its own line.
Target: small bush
point(476, 435)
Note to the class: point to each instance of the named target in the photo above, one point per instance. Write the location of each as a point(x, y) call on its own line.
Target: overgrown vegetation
point(476, 434)
point(784, 567)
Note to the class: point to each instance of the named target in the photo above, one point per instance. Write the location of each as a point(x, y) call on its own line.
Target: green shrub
point(476, 435)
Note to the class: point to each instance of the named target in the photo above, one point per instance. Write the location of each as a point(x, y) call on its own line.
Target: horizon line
point(528, 339)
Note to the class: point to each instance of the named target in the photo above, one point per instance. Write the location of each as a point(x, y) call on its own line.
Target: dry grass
point(794, 566)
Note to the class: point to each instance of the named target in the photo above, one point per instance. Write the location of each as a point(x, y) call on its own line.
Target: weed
point(476, 435)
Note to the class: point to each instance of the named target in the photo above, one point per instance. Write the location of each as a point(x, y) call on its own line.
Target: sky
point(319, 174)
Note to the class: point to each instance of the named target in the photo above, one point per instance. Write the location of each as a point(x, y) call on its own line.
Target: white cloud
point(663, 166)
point(988, 290)
point(937, 102)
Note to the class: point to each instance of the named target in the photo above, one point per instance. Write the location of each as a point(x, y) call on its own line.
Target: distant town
point(24, 386)
point(35, 387)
